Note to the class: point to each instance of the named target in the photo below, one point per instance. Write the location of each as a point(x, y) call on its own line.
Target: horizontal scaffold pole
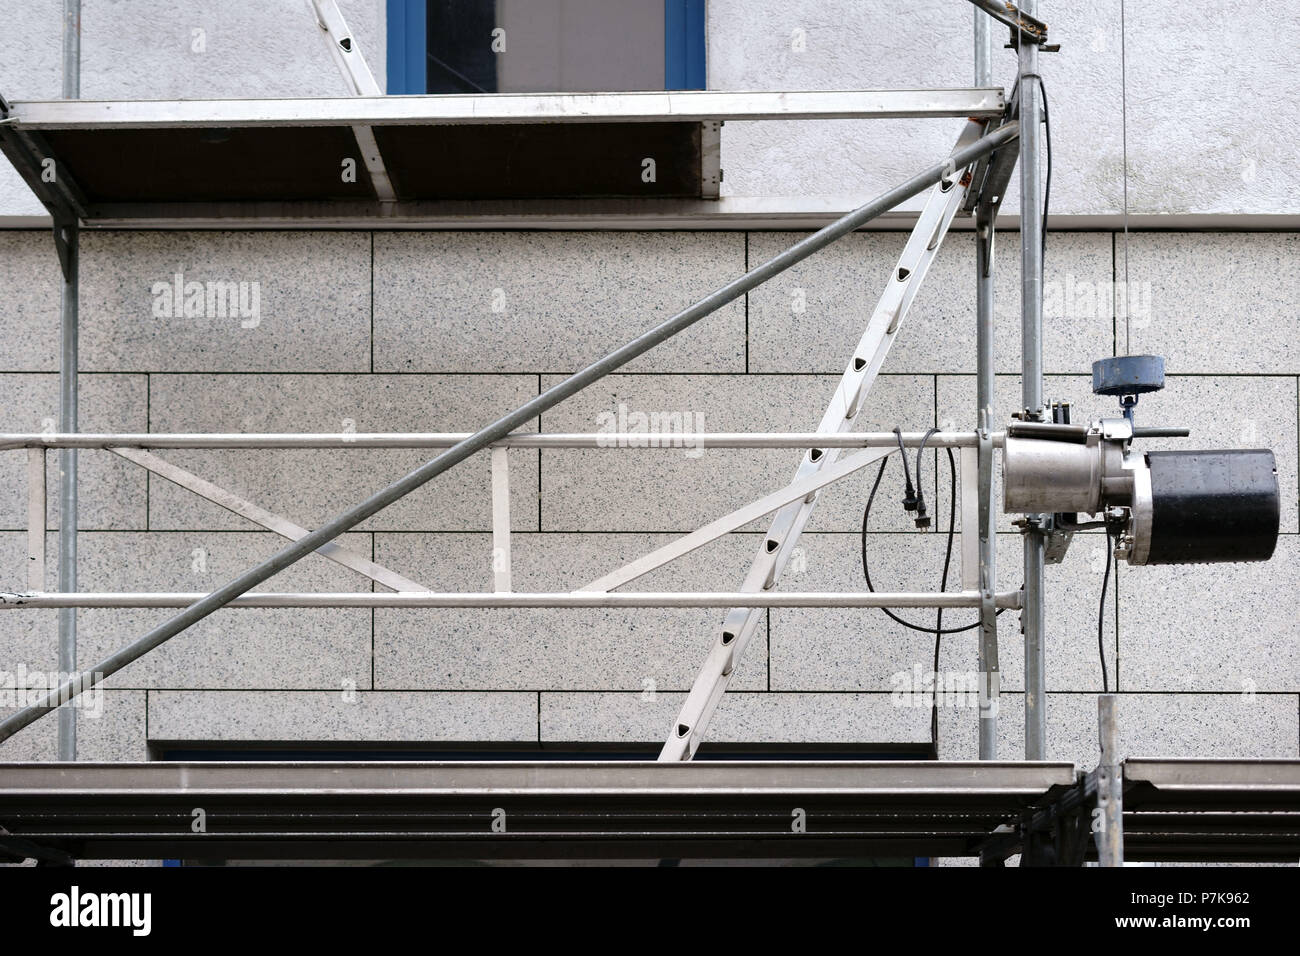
point(614, 441)
point(516, 599)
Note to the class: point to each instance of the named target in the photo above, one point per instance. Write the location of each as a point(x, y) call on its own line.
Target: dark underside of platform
point(306, 163)
point(849, 810)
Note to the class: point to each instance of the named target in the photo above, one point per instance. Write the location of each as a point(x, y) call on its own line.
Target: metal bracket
point(991, 175)
point(1056, 541)
point(710, 159)
point(30, 155)
point(985, 234)
point(1022, 25)
point(65, 246)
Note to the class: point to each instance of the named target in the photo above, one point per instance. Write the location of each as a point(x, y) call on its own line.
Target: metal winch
point(1163, 507)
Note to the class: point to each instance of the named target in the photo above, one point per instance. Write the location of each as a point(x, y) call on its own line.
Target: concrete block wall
point(397, 331)
point(1208, 97)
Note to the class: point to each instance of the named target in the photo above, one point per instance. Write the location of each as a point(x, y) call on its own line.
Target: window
point(544, 46)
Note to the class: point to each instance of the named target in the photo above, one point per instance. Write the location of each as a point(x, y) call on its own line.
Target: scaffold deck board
point(410, 160)
point(543, 809)
point(792, 809)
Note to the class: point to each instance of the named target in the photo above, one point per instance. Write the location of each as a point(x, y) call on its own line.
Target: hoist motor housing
point(1165, 507)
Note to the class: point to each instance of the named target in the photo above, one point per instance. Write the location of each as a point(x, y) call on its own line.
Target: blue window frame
point(684, 45)
point(406, 39)
point(409, 48)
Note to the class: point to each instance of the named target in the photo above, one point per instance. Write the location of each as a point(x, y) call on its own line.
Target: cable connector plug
point(922, 514)
point(911, 500)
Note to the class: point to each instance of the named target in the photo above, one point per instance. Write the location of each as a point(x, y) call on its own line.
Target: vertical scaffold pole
point(1031, 384)
point(984, 402)
point(1110, 783)
point(67, 235)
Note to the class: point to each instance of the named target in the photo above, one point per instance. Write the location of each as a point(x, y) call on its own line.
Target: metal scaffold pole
point(1110, 783)
point(67, 238)
point(985, 213)
point(1031, 384)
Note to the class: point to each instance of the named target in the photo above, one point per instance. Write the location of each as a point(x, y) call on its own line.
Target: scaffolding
point(984, 808)
point(1174, 810)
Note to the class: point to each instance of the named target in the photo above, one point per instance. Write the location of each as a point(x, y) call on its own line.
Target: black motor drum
point(1213, 506)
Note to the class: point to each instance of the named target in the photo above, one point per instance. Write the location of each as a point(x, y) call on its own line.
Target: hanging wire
point(1101, 617)
point(1123, 103)
point(1021, 76)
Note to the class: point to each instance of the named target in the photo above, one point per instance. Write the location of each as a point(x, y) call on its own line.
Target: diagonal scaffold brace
point(774, 553)
point(486, 436)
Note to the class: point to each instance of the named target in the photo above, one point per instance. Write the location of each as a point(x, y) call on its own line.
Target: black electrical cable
point(943, 581)
point(938, 630)
point(952, 524)
point(923, 520)
point(1047, 184)
point(1047, 135)
point(1101, 619)
point(938, 638)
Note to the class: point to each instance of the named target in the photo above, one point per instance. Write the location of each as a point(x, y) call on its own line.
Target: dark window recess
point(550, 161)
point(459, 46)
point(185, 164)
point(545, 46)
